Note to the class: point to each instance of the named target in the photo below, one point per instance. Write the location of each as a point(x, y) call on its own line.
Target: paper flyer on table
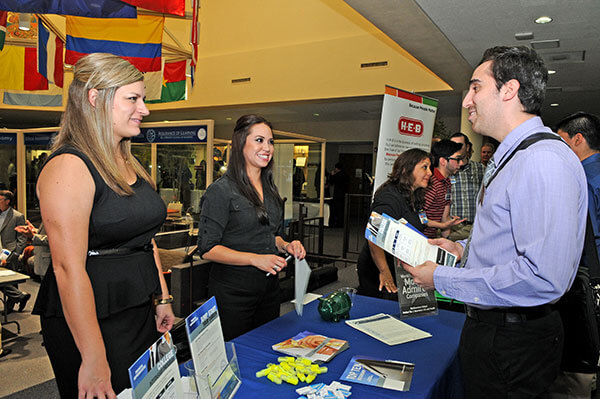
point(390, 374)
point(155, 373)
point(301, 278)
point(388, 329)
point(405, 242)
point(207, 346)
point(308, 298)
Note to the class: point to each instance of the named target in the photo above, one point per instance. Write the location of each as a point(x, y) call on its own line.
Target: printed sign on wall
point(172, 134)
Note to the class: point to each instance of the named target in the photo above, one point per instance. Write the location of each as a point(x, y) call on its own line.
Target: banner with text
point(407, 121)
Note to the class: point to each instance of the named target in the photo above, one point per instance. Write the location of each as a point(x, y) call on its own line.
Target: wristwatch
point(163, 301)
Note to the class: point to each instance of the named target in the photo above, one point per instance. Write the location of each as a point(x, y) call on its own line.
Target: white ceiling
point(449, 37)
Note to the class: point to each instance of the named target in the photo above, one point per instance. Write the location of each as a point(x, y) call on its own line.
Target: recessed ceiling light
point(228, 118)
point(554, 105)
point(315, 114)
point(551, 71)
point(543, 20)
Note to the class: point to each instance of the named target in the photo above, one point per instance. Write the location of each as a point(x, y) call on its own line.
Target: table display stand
point(228, 382)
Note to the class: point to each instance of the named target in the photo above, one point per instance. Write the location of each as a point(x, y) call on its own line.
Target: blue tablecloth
point(436, 375)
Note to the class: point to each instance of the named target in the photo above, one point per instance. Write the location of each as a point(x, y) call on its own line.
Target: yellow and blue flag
point(139, 40)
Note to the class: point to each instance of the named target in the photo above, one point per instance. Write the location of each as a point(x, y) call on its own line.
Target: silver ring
point(276, 268)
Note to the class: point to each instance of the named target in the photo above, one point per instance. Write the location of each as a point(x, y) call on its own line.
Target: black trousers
point(246, 298)
point(126, 336)
point(514, 360)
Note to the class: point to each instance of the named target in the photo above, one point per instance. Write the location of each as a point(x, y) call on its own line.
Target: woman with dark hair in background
point(240, 232)
point(401, 196)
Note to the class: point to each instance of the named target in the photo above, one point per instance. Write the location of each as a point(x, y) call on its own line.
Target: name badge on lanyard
point(452, 180)
point(423, 217)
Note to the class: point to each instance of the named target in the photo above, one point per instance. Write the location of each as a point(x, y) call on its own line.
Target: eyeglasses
point(457, 159)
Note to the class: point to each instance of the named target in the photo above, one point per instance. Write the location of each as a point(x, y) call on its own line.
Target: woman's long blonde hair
point(90, 128)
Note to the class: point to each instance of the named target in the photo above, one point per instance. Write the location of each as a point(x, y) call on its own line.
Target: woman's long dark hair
point(402, 176)
point(236, 170)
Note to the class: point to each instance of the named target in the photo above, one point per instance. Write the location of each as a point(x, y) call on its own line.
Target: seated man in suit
point(14, 242)
point(41, 250)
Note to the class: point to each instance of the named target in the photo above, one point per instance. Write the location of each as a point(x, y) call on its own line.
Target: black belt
point(502, 316)
point(120, 251)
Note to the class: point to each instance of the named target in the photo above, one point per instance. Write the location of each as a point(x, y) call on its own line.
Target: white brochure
point(301, 278)
point(155, 374)
point(405, 242)
point(212, 371)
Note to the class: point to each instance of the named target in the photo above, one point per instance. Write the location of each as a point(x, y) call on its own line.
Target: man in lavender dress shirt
point(526, 241)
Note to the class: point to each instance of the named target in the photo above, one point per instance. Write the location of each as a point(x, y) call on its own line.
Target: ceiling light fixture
point(524, 36)
point(228, 118)
point(554, 105)
point(543, 20)
point(551, 71)
point(315, 114)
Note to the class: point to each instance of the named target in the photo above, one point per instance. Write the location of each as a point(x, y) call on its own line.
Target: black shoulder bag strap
point(534, 138)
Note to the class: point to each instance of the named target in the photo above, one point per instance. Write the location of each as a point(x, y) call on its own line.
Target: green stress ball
point(335, 306)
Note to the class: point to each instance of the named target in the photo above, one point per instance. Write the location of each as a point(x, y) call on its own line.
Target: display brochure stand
point(216, 369)
point(155, 373)
point(414, 301)
point(224, 385)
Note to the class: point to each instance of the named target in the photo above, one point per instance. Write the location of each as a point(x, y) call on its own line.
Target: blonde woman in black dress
point(104, 300)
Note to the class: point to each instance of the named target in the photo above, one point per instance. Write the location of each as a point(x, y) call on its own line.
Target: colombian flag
point(19, 69)
point(139, 41)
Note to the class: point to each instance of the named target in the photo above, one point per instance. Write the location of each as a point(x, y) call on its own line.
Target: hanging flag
point(19, 69)
point(43, 98)
point(82, 8)
point(139, 40)
point(3, 16)
point(153, 82)
point(50, 55)
point(173, 87)
point(194, 41)
point(176, 7)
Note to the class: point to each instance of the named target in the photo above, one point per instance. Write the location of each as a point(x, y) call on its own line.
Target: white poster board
point(407, 121)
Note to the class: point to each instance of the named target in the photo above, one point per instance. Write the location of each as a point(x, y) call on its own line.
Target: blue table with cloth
point(437, 371)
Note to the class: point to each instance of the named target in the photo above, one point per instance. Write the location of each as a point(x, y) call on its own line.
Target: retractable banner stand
point(407, 121)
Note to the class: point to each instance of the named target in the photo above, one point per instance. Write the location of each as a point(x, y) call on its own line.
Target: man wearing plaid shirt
point(465, 186)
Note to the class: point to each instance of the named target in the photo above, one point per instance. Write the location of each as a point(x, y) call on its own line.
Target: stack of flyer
point(390, 374)
point(388, 329)
point(315, 347)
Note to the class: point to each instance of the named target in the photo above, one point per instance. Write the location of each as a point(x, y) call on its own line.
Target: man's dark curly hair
point(524, 65)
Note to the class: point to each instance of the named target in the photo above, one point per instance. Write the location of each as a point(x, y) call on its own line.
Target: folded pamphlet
point(401, 239)
point(315, 347)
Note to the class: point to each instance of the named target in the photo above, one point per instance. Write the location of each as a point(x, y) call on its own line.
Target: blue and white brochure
point(389, 374)
point(155, 374)
point(404, 241)
point(212, 371)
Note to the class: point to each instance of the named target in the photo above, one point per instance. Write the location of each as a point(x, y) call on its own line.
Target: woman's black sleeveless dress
point(123, 284)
